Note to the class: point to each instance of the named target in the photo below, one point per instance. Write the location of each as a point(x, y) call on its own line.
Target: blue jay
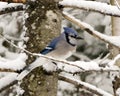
point(61, 47)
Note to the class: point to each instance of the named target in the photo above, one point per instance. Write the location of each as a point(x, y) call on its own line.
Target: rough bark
point(43, 24)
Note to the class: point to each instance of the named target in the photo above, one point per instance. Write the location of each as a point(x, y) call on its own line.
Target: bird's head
point(71, 36)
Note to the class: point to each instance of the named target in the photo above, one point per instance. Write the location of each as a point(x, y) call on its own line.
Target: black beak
point(78, 37)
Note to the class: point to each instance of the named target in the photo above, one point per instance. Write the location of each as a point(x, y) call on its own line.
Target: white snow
point(113, 62)
point(17, 61)
point(6, 5)
point(16, 64)
point(7, 79)
point(11, 55)
point(9, 30)
point(65, 85)
point(92, 5)
point(37, 63)
point(114, 40)
point(82, 66)
point(16, 88)
point(88, 65)
point(118, 92)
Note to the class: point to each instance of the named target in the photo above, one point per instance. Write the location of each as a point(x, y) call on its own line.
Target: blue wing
point(51, 46)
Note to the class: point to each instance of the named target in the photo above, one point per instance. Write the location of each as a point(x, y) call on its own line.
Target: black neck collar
point(68, 40)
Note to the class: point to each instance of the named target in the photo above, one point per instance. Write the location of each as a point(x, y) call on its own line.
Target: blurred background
point(88, 49)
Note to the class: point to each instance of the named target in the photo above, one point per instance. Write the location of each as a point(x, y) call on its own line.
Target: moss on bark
point(43, 24)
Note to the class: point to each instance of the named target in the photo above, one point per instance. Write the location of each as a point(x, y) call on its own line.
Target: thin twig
point(87, 71)
point(22, 49)
point(90, 30)
point(117, 4)
point(84, 85)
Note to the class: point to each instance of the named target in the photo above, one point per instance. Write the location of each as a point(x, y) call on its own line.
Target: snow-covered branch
point(12, 38)
point(103, 8)
point(117, 4)
point(8, 81)
point(72, 68)
point(40, 55)
point(84, 85)
point(113, 40)
point(17, 64)
point(90, 66)
point(66, 66)
point(7, 8)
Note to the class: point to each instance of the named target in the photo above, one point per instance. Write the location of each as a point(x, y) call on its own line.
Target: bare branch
point(84, 85)
point(7, 70)
point(84, 26)
point(81, 56)
point(102, 8)
point(14, 1)
point(10, 8)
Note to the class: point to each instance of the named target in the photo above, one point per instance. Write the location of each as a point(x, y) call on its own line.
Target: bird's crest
point(70, 31)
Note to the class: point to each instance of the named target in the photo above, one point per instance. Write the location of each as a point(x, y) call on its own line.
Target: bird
point(60, 47)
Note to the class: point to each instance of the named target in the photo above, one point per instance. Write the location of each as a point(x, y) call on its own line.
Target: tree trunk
point(115, 51)
point(43, 24)
point(115, 32)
